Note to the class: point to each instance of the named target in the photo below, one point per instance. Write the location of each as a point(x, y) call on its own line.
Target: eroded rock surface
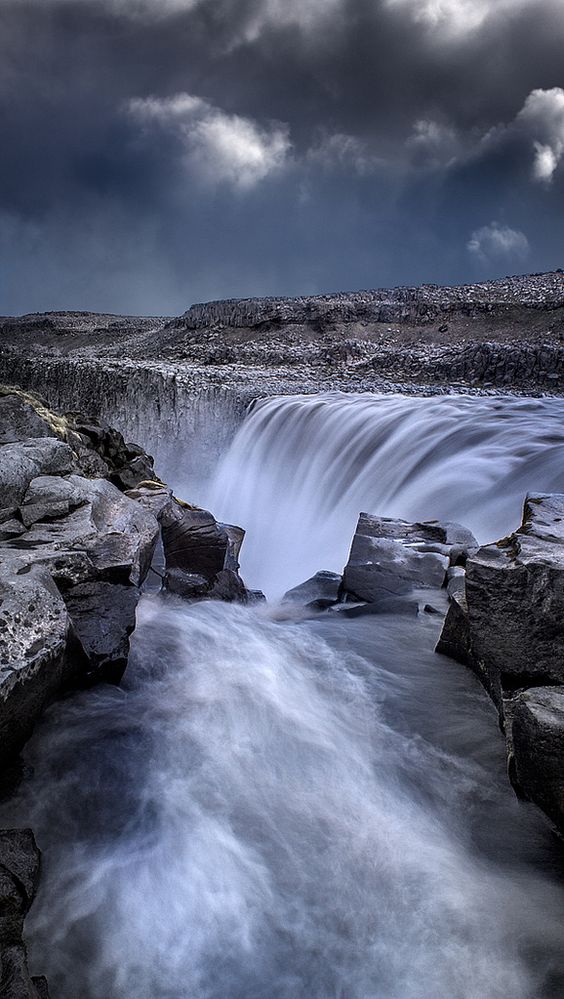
point(508, 626)
point(390, 559)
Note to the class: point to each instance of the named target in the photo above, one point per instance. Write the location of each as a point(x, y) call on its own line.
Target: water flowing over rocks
point(81, 513)
point(508, 627)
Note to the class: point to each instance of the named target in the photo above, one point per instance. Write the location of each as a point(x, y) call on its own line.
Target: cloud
point(340, 151)
point(222, 148)
point(433, 144)
point(495, 241)
point(457, 19)
point(542, 119)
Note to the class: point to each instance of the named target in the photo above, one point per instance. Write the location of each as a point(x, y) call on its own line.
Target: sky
point(156, 153)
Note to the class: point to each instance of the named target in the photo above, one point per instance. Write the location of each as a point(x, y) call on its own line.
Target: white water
point(274, 810)
point(301, 468)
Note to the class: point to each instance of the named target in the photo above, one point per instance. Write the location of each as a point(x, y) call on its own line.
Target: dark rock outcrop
point(513, 634)
point(201, 555)
point(537, 760)
point(508, 626)
point(19, 877)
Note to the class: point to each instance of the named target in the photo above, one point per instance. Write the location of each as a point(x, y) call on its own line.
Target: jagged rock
point(323, 586)
point(515, 600)
point(201, 554)
point(393, 557)
point(126, 465)
point(19, 877)
point(39, 651)
point(537, 767)
point(103, 615)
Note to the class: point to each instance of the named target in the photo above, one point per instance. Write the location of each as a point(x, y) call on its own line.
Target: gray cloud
point(160, 152)
point(498, 241)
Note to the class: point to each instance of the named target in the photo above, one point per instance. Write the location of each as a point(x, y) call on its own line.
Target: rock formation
point(150, 376)
point(81, 513)
point(391, 560)
point(508, 627)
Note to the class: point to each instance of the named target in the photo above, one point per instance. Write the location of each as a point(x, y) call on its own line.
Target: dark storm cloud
point(160, 152)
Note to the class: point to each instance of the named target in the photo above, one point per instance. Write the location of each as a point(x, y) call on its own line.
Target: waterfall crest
point(301, 468)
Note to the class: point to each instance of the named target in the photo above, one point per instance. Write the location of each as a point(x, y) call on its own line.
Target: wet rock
point(323, 586)
point(455, 636)
point(515, 597)
point(393, 557)
point(201, 555)
point(103, 615)
point(537, 767)
point(382, 605)
point(456, 581)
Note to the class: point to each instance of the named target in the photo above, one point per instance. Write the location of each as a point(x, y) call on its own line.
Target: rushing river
point(271, 809)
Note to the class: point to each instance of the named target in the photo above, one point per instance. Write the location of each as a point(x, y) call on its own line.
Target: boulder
point(537, 766)
point(19, 420)
point(514, 633)
point(103, 616)
point(323, 586)
point(394, 557)
point(201, 555)
point(23, 461)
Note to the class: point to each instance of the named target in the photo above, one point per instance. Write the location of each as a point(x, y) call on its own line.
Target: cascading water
point(318, 810)
point(301, 468)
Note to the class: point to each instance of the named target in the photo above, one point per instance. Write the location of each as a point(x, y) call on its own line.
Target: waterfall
point(269, 809)
point(301, 468)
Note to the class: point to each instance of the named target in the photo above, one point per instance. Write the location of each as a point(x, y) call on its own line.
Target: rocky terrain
point(81, 513)
point(506, 334)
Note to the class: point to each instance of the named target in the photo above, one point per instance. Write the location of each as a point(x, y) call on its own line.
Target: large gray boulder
point(511, 627)
point(537, 764)
point(22, 461)
point(392, 558)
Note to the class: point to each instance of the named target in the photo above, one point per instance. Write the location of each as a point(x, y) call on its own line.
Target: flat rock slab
point(22, 462)
point(391, 558)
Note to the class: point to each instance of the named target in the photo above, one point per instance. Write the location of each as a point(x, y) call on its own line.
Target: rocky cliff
point(144, 373)
point(81, 513)
point(506, 623)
